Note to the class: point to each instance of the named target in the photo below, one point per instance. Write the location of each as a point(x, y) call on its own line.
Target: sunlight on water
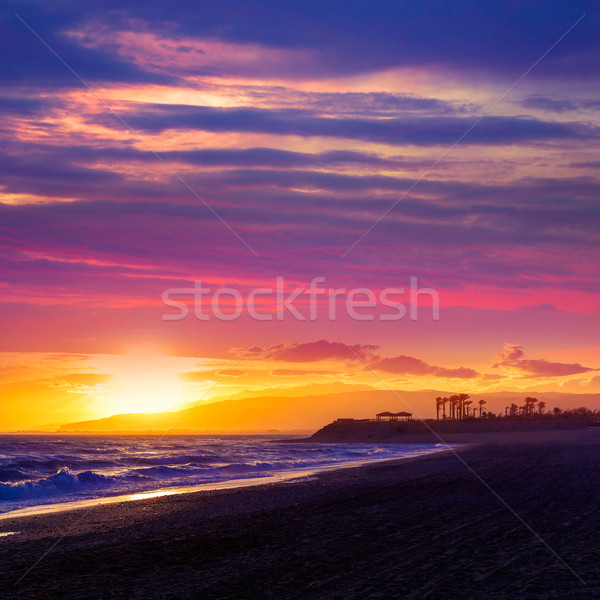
point(50, 472)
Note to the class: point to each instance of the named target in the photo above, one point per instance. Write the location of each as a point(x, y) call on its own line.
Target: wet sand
point(420, 528)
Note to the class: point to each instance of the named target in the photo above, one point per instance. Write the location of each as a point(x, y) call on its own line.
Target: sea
point(51, 470)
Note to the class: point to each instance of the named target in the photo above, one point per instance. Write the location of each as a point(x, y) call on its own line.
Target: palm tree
point(506, 411)
point(513, 410)
point(453, 402)
point(529, 404)
point(462, 398)
point(438, 403)
point(541, 407)
point(466, 404)
point(444, 400)
point(481, 403)
point(557, 411)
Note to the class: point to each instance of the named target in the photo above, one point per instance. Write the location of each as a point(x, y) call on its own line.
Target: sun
point(143, 383)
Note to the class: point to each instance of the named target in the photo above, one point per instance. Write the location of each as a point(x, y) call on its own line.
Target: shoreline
point(420, 527)
point(230, 484)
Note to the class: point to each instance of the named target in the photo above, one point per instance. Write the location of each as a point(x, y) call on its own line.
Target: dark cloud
point(218, 157)
point(24, 106)
point(555, 105)
point(356, 37)
point(329, 40)
point(548, 104)
point(48, 174)
point(590, 164)
point(358, 103)
point(426, 131)
point(29, 62)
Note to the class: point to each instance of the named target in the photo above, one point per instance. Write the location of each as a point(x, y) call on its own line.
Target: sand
point(421, 528)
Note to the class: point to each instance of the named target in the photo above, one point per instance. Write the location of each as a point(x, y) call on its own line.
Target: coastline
point(230, 484)
point(411, 528)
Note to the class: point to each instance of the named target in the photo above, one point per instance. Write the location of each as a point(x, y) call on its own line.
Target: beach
point(426, 527)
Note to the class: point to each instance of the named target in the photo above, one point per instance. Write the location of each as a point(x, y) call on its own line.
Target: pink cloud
point(513, 357)
point(408, 365)
point(319, 350)
point(325, 350)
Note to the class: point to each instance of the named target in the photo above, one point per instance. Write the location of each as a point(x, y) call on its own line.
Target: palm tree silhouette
point(541, 407)
point(481, 403)
point(466, 404)
point(438, 403)
point(453, 402)
point(462, 398)
point(529, 404)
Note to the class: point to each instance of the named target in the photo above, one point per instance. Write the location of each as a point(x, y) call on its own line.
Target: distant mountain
point(308, 413)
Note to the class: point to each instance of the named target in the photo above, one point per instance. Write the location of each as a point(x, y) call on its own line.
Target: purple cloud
point(157, 118)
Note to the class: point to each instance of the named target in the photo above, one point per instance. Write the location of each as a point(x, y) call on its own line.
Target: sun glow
point(143, 383)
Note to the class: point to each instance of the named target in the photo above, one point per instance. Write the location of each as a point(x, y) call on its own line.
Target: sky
point(149, 148)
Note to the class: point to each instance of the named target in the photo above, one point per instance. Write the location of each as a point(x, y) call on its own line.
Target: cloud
point(211, 157)
point(524, 235)
point(201, 376)
point(299, 372)
point(408, 365)
point(543, 307)
point(354, 37)
point(548, 104)
point(87, 379)
point(33, 64)
point(81, 383)
point(23, 106)
point(365, 353)
point(559, 105)
point(492, 377)
point(513, 357)
point(422, 131)
point(317, 351)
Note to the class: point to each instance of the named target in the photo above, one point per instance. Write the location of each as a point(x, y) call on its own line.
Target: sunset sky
point(148, 146)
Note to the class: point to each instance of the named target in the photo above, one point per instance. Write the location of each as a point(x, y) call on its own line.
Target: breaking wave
point(45, 469)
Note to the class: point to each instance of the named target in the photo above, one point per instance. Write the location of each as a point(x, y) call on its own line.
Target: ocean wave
point(36, 471)
point(164, 472)
point(12, 475)
point(64, 482)
point(249, 467)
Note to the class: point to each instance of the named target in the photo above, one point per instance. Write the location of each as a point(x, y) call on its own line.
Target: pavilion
point(390, 416)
